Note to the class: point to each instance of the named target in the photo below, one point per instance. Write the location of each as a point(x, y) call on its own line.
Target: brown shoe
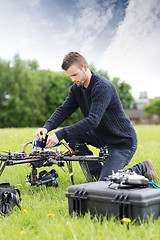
point(150, 173)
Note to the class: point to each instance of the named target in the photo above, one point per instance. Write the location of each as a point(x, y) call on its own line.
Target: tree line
point(28, 95)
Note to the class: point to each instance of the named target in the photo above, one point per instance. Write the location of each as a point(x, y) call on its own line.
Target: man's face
point(78, 75)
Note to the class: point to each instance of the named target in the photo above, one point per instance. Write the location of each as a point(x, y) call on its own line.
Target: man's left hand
point(52, 141)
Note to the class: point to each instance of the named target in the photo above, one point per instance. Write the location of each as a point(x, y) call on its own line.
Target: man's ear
point(85, 67)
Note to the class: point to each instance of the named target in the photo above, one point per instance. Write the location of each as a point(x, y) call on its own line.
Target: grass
point(44, 212)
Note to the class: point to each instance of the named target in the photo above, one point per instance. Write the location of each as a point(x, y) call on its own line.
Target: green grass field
point(44, 212)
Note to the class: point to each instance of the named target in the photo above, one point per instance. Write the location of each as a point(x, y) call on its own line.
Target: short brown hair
point(73, 58)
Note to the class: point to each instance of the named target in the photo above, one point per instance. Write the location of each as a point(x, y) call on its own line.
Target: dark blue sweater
point(102, 110)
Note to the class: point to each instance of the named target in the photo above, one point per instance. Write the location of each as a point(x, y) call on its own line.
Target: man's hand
point(52, 141)
point(41, 133)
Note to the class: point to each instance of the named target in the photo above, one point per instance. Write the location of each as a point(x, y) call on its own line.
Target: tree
point(22, 104)
point(153, 107)
point(123, 90)
point(28, 96)
point(4, 78)
point(57, 85)
point(32, 65)
point(4, 91)
point(104, 74)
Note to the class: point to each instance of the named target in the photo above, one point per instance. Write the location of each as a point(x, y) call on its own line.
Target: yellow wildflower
point(127, 220)
point(20, 185)
point(22, 232)
point(50, 214)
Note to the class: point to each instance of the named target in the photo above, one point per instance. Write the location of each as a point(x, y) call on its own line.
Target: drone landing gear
point(45, 178)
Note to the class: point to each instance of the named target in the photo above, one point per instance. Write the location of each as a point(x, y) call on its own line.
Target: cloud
point(84, 25)
point(23, 18)
point(77, 30)
point(134, 52)
point(93, 16)
point(32, 3)
point(56, 34)
point(48, 32)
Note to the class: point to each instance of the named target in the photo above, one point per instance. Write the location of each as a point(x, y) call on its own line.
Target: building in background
point(138, 116)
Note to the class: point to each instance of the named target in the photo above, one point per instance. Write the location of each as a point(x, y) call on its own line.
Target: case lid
point(112, 192)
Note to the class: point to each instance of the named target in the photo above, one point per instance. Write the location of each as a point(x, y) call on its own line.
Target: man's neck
point(89, 75)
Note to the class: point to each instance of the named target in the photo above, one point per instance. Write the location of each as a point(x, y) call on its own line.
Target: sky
point(121, 37)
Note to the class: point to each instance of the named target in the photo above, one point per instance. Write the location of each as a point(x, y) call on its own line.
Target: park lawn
point(44, 212)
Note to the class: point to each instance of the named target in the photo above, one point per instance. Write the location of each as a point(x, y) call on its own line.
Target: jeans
point(117, 159)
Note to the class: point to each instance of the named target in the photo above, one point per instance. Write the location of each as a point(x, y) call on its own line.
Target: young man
point(105, 122)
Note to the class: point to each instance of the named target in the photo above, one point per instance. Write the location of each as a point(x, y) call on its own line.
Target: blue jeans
point(117, 159)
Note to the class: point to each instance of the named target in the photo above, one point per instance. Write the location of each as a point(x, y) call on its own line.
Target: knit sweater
point(102, 111)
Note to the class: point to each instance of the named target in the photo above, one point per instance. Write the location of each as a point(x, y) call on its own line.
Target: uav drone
point(46, 157)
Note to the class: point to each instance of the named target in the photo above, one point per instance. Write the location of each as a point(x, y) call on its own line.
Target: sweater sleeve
point(69, 106)
point(100, 99)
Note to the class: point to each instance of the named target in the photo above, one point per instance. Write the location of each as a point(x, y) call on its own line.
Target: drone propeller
point(16, 152)
point(6, 152)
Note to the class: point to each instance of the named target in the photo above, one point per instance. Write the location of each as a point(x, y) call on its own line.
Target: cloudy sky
point(118, 36)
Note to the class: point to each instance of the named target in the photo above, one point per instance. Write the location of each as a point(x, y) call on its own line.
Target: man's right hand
point(41, 133)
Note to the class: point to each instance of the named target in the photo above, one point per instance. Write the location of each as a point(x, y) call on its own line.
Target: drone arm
point(59, 163)
point(89, 158)
point(11, 163)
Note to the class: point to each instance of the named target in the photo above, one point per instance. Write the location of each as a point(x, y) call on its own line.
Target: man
point(105, 122)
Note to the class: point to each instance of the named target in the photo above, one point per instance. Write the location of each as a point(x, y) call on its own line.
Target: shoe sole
point(150, 174)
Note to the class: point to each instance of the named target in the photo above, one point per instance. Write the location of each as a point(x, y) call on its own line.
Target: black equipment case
point(105, 198)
